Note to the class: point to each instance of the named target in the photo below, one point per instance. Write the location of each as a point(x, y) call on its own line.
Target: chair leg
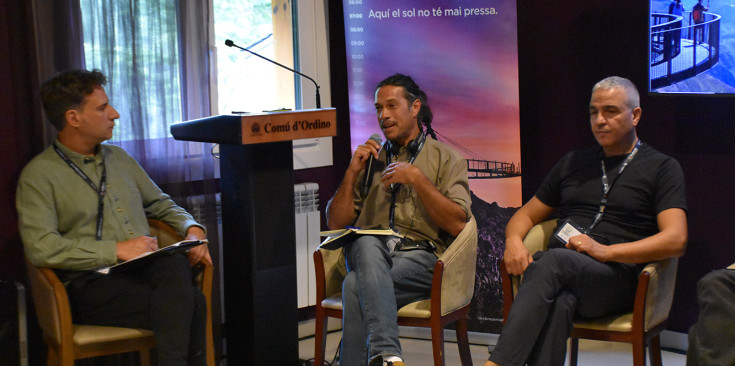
point(639, 353)
point(463, 343)
point(145, 357)
point(210, 337)
point(437, 343)
point(574, 351)
point(57, 357)
point(654, 350)
point(320, 339)
point(53, 358)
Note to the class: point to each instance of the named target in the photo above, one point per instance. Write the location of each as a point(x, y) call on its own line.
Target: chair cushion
point(333, 302)
point(90, 334)
point(416, 309)
point(616, 323)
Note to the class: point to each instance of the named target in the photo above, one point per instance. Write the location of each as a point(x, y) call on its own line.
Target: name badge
point(568, 230)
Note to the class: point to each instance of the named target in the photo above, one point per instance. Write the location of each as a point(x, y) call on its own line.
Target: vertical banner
point(464, 55)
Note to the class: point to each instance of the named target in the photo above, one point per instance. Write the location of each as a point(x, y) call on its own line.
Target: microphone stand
point(229, 43)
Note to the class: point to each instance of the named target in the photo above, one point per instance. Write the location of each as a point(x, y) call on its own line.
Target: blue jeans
point(378, 283)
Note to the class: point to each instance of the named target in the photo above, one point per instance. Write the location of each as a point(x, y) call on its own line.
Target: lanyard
point(607, 186)
point(394, 189)
point(100, 191)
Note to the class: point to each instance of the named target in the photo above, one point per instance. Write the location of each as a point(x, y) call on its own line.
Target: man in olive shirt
point(83, 205)
point(419, 188)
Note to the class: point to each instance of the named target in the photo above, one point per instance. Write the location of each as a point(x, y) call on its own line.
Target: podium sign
point(284, 126)
point(259, 128)
point(258, 256)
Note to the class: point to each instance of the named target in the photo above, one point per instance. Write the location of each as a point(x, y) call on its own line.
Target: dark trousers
point(558, 285)
point(159, 295)
point(711, 337)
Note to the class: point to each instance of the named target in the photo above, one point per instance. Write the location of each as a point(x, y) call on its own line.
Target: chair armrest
point(536, 239)
point(459, 265)
point(659, 292)
point(165, 234)
point(51, 302)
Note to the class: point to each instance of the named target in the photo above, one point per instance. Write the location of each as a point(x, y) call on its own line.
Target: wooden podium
point(258, 256)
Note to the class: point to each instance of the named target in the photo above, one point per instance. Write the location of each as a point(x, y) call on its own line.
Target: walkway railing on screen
point(680, 48)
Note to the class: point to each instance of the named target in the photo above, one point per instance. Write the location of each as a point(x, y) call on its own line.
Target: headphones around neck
point(413, 145)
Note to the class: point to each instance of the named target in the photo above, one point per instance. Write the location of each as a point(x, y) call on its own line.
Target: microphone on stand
point(229, 43)
point(369, 167)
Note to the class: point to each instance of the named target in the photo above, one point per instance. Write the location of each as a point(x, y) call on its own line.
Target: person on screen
point(83, 205)
point(420, 189)
point(627, 202)
point(698, 18)
point(676, 8)
point(710, 338)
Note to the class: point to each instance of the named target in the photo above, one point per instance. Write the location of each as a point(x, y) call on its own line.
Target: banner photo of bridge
point(692, 46)
point(464, 55)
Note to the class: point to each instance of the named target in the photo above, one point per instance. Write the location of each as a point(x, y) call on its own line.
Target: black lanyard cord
point(607, 186)
point(395, 188)
point(100, 191)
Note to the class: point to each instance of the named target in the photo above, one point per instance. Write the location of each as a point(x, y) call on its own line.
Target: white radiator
point(308, 225)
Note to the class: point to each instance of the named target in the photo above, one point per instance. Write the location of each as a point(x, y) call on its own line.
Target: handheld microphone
point(229, 43)
point(369, 167)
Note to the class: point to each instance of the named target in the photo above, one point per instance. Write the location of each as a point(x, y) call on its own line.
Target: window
point(247, 83)
point(135, 43)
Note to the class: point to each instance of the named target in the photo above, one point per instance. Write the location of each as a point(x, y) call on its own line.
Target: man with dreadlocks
point(420, 190)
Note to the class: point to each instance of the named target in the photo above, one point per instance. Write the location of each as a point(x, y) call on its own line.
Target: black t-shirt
point(652, 182)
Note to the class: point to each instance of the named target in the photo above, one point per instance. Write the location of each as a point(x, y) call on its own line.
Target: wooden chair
point(68, 342)
point(641, 327)
point(451, 292)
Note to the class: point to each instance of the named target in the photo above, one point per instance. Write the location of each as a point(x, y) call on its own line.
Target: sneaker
point(396, 363)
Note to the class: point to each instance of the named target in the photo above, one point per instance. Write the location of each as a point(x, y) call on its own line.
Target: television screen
point(692, 47)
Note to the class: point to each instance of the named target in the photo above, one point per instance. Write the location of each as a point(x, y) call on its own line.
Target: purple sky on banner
point(467, 63)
